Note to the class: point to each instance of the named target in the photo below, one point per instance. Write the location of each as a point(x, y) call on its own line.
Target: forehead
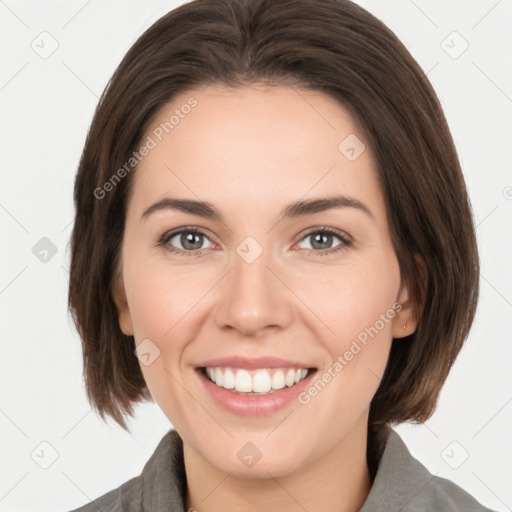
point(257, 144)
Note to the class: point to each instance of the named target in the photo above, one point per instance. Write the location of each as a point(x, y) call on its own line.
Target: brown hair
point(332, 46)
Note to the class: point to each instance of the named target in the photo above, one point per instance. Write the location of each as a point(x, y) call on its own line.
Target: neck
point(339, 481)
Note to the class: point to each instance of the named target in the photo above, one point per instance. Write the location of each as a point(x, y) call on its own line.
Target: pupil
point(189, 240)
point(322, 238)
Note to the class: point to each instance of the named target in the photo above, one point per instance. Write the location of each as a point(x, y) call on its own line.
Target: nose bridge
point(253, 297)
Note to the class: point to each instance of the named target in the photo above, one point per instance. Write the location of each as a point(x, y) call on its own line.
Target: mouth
point(256, 391)
point(257, 381)
point(253, 387)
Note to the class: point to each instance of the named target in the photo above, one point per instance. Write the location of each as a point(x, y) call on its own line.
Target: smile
point(254, 387)
point(257, 381)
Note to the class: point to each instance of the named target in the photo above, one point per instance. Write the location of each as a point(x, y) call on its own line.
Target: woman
point(273, 240)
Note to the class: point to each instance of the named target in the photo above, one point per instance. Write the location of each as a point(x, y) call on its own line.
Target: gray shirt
point(401, 484)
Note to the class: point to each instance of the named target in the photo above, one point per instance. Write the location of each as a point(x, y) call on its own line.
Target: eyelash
point(345, 240)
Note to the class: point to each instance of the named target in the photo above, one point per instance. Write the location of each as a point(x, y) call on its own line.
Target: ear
point(410, 312)
point(119, 296)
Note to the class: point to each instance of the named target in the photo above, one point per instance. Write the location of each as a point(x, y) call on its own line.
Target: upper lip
point(251, 363)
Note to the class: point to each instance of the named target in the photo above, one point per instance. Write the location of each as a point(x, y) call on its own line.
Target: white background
point(46, 106)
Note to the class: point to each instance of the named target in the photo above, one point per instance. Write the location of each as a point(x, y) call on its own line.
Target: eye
point(322, 240)
point(189, 241)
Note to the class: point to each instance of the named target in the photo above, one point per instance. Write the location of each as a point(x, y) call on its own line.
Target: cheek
point(167, 312)
point(160, 296)
point(359, 306)
point(347, 302)
point(368, 315)
point(163, 307)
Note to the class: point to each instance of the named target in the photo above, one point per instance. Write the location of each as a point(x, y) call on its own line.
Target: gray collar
point(401, 483)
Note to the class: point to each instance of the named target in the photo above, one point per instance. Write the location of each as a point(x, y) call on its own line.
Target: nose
point(253, 298)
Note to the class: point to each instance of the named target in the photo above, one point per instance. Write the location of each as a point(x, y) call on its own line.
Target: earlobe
point(123, 311)
point(406, 321)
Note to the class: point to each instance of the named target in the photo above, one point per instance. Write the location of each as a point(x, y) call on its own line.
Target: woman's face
point(262, 291)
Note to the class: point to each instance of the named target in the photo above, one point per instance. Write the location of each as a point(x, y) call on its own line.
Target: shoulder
point(403, 483)
point(162, 480)
point(440, 492)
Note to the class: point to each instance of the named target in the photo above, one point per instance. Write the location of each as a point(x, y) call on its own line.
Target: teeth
point(262, 382)
point(257, 381)
point(243, 381)
point(219, 377)
point(278, 380)
point(228, 380)
point(290, 377)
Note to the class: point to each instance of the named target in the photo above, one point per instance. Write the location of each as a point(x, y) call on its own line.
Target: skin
point(250, 151)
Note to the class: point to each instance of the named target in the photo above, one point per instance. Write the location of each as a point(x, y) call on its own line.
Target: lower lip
point(254, 405)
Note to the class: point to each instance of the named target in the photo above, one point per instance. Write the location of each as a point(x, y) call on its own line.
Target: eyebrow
point(293, 210)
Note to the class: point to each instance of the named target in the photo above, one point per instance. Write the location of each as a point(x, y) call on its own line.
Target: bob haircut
point(330, 46)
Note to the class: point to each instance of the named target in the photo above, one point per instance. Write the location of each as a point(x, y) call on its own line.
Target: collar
point(399, 478)
point(163, 485)
point(164, 478)
point(400, 483)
